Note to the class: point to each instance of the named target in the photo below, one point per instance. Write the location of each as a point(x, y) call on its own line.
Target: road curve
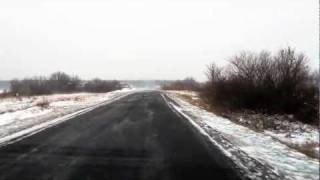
point(136, 137)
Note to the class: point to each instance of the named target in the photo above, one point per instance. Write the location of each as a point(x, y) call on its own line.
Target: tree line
point(60, 82)
point(186, 84)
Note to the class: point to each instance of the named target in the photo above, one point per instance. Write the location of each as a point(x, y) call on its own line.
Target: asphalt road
point(137, 137)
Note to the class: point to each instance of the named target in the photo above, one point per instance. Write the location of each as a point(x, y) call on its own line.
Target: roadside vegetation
point(266, 83)
point(59, 82)
point(186, 84)
point(276, 94)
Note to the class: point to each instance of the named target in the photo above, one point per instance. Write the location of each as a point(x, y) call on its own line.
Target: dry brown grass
point(202, 104)
point(44, 103)
point(307, 149)
point(80, 98)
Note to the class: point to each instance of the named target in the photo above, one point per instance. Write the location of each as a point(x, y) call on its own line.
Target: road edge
point(18, 136)
point(243, 171)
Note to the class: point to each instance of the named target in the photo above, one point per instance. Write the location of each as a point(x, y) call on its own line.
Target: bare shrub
point(30, 86)
point(44, 103)
point(281, 83)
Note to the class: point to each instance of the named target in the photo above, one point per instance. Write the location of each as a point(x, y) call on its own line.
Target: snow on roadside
point(260, 146)
point(21, 116)
point(291, 133)
point(299, 136)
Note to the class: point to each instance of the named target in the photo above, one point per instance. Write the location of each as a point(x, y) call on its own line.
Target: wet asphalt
point(136, 137)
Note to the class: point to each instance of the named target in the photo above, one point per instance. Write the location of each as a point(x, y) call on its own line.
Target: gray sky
point(147, 39)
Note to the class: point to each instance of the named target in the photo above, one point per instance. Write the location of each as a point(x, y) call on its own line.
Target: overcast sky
point(147, 39)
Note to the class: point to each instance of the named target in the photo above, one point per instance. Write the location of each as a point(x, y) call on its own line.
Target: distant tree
point(30, 86)
point(187, 84)
point(62, 82)
point(98, 85)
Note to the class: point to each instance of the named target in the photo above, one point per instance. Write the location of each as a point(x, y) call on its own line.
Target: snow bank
point(20, 117)
point(260, 146)
point(299, 136)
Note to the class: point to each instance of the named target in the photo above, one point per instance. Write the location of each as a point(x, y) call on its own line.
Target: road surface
point(136, 137)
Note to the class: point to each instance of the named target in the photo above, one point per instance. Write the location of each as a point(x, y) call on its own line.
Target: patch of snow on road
point(260, 146)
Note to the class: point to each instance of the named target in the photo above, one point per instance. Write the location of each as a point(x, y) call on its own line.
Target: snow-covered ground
point(20, 117)
point(292, 133)
point(261, 146)
point(2, 91)
point(304, 137)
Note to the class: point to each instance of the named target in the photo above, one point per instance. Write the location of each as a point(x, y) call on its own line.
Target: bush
point(44, 103)
point(186, 84)
point(280, 83)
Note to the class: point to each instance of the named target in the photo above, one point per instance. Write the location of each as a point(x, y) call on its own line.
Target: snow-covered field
point(20, 117)
point(261, 146)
